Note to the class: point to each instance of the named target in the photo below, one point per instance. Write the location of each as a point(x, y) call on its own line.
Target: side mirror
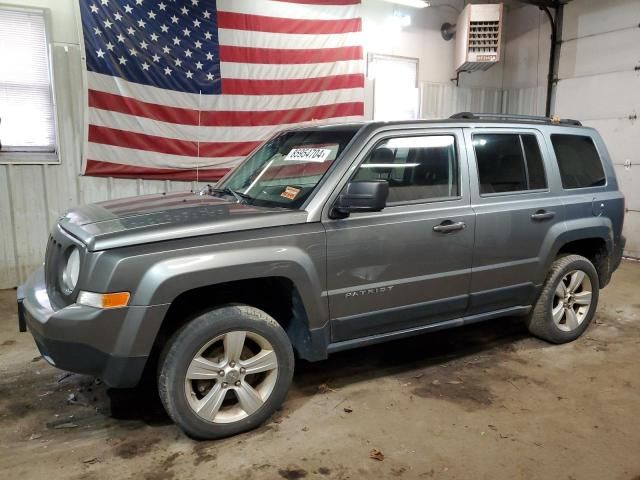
point(370, 196)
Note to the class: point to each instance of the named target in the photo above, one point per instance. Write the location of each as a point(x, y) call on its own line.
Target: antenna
point(198, 143)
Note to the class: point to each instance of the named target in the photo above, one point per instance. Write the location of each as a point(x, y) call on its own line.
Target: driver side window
point(416, 168)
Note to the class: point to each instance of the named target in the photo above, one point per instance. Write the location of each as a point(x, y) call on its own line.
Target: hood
point(155, 218)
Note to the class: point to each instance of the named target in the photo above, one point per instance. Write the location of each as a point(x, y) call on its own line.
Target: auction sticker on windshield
point(308, 154)
point(290, 193)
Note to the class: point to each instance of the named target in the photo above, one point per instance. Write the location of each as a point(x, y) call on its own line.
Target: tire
point(566, 327)
point(208, 405)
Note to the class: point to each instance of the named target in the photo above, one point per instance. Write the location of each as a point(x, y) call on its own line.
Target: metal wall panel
point(525, 101)
point(440, 100)
point(8, 273)
point(600, 86)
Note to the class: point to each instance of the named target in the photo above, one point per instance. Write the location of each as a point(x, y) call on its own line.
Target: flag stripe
point(130, 156)
point(100, 168)
point(259, 71)
point(243, 38)
point(191, 133)
point(282, 55)
point(235, 86)
point(323, 2)
point(154, 143)
point(241, 103)
point(132, 106)
point(177, 131)
point(260, 23)
point(290, 10)
point(344, 111)
point(221, 118)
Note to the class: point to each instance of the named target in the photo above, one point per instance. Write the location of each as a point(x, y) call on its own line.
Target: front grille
point(54, 260)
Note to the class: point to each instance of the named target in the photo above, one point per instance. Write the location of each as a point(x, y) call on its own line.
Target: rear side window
point(509, 162)
point(578, 160)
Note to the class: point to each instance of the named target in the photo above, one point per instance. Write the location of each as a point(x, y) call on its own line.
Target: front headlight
point(71, 271)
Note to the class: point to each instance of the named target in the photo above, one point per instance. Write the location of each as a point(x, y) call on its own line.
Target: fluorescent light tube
point(410, 3)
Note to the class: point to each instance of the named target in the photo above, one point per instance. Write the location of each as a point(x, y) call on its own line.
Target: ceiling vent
point(478, 37)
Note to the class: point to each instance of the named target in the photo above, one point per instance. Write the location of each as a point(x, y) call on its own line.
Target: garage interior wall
point(33, 196)
point(599, 83)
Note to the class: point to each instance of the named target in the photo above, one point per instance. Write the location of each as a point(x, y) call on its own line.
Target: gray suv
point(328, 238)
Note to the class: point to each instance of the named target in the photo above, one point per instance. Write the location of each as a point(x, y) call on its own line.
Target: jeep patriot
point(328, 238)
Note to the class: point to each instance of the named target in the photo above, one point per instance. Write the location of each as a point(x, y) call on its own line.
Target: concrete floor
point(484, 401)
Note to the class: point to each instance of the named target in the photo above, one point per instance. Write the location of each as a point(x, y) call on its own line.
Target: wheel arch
point(594, 242)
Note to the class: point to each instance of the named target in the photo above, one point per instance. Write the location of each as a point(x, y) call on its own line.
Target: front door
point(408, 265)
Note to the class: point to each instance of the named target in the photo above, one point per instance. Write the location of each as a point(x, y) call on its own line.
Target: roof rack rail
point(509, 116)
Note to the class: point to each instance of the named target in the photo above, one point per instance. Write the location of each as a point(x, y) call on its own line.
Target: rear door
point(517, 198)
point(408, 265)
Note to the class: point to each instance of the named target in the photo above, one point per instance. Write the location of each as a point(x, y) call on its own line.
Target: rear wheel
point(225, 372)
point(568, 300)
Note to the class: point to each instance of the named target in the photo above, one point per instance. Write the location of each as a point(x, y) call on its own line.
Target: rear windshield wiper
point(239, 196)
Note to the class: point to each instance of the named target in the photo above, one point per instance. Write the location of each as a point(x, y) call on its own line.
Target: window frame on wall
point(523, 151)
point(373, 57)
point(30, 155)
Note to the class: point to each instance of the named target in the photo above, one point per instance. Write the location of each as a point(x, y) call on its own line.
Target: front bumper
point(110, 344)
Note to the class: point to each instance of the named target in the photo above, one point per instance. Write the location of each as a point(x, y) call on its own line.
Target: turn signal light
point(104, 300)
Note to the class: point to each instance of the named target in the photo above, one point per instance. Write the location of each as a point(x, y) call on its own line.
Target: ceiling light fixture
point(411, 3)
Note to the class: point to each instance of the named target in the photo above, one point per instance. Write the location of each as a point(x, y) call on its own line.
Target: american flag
point(179, 86)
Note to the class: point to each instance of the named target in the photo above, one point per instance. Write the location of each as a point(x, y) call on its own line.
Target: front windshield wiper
point(239, 196)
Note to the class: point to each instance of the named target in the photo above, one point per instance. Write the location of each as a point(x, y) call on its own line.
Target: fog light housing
point(104, 300)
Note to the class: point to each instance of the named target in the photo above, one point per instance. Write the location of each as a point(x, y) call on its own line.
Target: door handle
point(448, 226)
point(543, 215)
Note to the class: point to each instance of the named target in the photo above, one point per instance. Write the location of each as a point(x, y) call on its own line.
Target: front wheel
point(568, 300)
point(225, 372)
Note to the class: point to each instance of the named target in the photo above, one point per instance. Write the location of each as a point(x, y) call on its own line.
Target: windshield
point(285, 170)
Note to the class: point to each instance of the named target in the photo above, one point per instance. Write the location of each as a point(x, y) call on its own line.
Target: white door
point(396, 95)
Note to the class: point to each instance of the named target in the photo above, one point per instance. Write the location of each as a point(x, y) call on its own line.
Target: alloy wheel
point(231, 376)
point(572, 300)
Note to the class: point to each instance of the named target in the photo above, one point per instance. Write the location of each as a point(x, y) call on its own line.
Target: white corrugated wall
point(440, 100)
point(599, 83)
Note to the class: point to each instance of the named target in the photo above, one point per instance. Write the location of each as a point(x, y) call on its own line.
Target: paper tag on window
point(308, 155)
point(290, 193)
